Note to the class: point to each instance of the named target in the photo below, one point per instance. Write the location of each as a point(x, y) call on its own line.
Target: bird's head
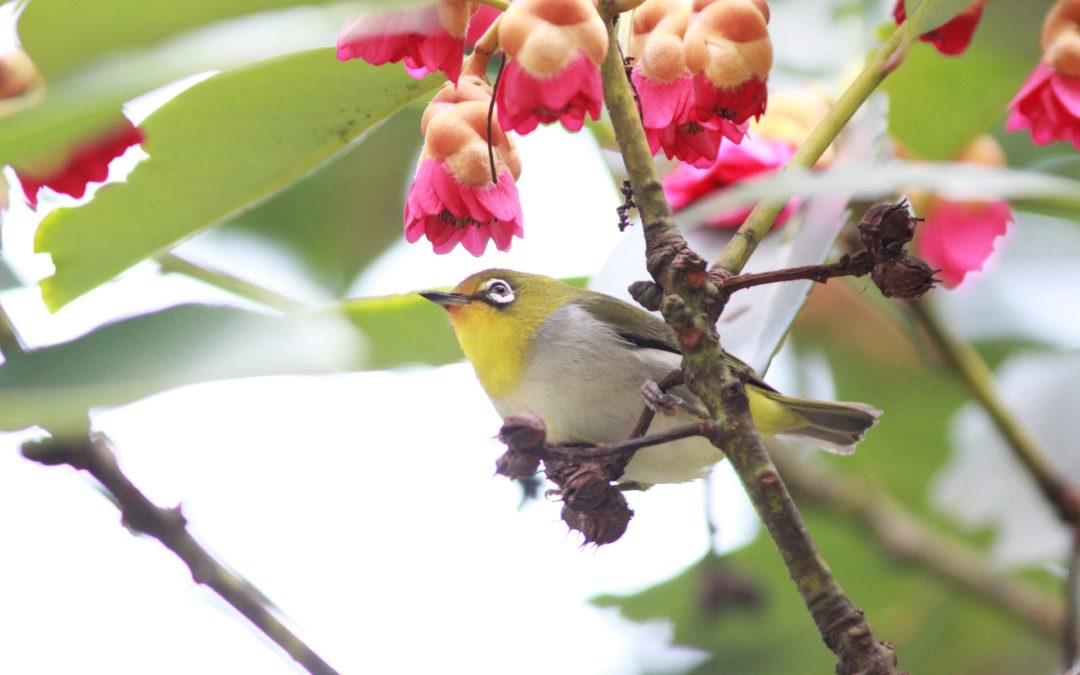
point(495, 314)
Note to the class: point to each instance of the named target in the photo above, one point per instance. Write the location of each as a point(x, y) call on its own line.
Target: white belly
point(588, 390)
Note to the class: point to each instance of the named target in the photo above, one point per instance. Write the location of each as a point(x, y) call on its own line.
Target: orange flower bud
point(656, 42)
point(545, 35)
point(1061, 37)
point(729, 43)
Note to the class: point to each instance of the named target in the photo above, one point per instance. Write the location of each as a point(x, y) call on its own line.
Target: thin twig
point(490, 117)
point(627, 447)
point(856, 266)
point(94, 455)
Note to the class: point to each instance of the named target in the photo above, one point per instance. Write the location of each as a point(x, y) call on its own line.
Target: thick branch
point(976, 375)
point(1071, 642)
point(904, 536)
point(95, 456)
point(690, 305)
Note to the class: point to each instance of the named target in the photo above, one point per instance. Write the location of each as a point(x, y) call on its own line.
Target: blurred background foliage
point(282, 146)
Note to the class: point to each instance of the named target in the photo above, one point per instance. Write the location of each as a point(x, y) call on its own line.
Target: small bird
point(582, 360)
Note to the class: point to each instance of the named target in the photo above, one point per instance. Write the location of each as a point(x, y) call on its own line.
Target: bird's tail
point(836, 427)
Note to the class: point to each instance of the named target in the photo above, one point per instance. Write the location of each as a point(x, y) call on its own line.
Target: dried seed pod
point(908, 278)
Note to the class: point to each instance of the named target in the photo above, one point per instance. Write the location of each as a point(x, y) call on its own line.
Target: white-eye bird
point(579, 359)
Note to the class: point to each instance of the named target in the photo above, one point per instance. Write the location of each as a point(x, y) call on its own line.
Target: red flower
point(1049, 105)
point(952, 37)
point(428, 39)
point(452, 199)
point(755, 156)
point(555, 49)
point(525, 101)
point(87, 163)
point(958, 237)
point(729, 53)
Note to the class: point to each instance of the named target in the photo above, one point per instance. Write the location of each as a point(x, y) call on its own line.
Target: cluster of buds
point(1049, 102)
point(885, 231)
point(591, 504)
point(464, 190)
point(700, 71)
point(426, 40)
point(952, 37)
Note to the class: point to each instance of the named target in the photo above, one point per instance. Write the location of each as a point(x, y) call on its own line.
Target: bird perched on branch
point(582, 361)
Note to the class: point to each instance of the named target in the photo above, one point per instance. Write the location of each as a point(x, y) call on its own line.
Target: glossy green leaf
point(63, 36)
point(133, 358)
point(87, 102)
point(758, 624)
point(340, 218)
point(939, 103)
point(222, 146)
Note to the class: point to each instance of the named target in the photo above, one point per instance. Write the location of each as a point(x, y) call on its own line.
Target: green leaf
point(937, 103)
point(63, 36)
point(133, 358)
point(343, 216)
point(87, 102)
point(219, 148)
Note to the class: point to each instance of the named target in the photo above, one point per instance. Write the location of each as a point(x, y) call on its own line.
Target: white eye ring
point(498, 291)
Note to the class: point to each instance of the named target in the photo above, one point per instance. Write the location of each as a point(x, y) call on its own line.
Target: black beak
point(447, 300)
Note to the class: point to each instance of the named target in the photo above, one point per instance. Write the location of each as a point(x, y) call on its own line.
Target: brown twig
point(848, 266)
point(627, 447)
point(94, 455)
point(490, 118)
point(906, 537)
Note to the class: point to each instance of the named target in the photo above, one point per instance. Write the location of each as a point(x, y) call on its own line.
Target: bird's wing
point(645, 330)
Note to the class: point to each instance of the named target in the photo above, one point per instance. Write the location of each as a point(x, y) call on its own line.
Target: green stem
point(761, 218)
point(10, 344)
point(978, 378)
point(228, 282)
point(690, 309)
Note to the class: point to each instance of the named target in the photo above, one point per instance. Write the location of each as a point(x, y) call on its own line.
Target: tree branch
point(94, 455)
point(691, 304)
point(905, 537)
point(1071, 642)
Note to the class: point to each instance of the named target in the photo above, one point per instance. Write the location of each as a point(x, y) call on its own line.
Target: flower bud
point(906, 278)
point(729, 52)
point(555, 49)
point(1061, 38)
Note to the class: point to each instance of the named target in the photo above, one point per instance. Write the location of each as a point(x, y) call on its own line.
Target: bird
point(581, 360)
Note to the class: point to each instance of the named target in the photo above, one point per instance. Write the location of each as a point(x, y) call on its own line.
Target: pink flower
point(555, 49)
point(1049, 105)
point(453, 199)
point(755, 156)
point(526, 101)
point(665, 88)
point(427, 39)
point(448, 212)
point(87, 163)
point(952, 37)
point(958, 237)
point(729, 53)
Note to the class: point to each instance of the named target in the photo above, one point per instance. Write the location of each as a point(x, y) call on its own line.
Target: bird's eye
point(500, 291)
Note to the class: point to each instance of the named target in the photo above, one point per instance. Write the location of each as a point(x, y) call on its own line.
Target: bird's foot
point(660, 401)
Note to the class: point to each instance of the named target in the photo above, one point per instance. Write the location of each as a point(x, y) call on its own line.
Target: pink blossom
point(736, 104)
point(448, 212)
point(958, 237)
point(1049, 105)
point(87, 163)
point(526, 101)
point(671, 121)
point(754, 157)
point(425, 40)
point(952, 37)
